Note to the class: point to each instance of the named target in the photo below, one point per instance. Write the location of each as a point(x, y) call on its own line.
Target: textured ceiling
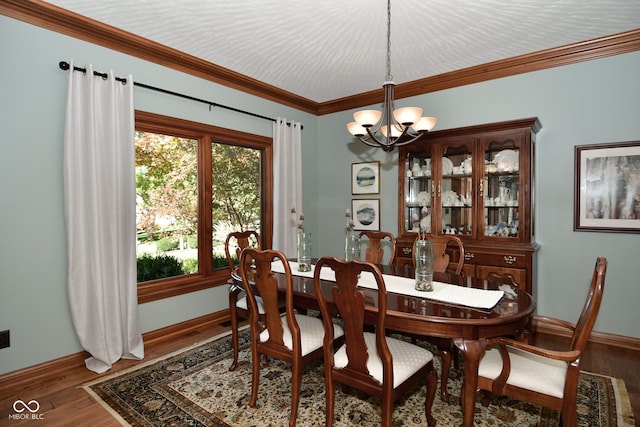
point(328, 49)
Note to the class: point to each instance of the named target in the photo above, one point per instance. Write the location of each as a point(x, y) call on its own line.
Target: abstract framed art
point(366, 214)
point(365, 178)
point(607, 187)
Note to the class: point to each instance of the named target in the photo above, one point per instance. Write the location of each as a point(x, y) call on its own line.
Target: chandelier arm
point(414, 138)
point(367, 141)
point(374, 138)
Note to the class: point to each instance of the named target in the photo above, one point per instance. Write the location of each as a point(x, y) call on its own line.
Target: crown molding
point(615, 44)
point(60, 20)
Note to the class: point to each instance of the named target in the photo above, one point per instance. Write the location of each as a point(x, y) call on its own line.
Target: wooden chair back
point(589, 314)
point(240, 240)
point(259, 281)
point(403, 266)
point(440, 255)
point(375, 245)
point(504, 279)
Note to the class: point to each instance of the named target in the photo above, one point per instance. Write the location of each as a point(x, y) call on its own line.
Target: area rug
point(193, 387)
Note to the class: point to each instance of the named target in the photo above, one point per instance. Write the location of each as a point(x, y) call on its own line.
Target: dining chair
point(447, 351)
point(234, 244)
point(440, 256)
point(441, 259)
point(370, 362)
point(508, 283)
point(503, 278)
point(291, 337)
point(374, 252)
point(544, 377)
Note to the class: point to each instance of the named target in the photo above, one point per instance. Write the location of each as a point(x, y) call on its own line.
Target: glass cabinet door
point(418, 192)
point(456, 190)
point(501, 188)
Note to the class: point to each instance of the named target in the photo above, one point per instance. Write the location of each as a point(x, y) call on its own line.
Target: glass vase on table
point(424, 265)
point(304, 251)
point(352, 246)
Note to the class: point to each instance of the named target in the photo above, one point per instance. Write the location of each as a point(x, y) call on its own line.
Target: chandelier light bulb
point(355, 129)
point(424, 124)
point(396, 131)
point(367, 118)
point(407, 115)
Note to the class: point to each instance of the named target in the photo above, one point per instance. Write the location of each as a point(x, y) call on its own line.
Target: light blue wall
point(587, 103)
point(33, 296)
point(593, 102)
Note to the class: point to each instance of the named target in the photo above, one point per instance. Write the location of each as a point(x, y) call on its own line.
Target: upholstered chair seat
point(242, 304)
point(407, 358)
point(528, 371)
point(311, 333)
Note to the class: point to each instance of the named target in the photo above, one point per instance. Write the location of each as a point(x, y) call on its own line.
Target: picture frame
point(607, 187)
point(365, 178)
point(366, 214)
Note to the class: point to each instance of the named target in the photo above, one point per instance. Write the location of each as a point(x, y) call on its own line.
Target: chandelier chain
point(389, 76)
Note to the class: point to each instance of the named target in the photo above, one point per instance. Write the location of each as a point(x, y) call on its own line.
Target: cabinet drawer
point(499, 260)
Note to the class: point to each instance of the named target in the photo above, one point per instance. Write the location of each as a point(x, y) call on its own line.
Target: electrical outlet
point(4, 339)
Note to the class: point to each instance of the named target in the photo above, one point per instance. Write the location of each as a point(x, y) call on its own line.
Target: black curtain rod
point(65, 66)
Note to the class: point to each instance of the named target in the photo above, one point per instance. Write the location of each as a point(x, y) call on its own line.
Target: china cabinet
point(475, 182)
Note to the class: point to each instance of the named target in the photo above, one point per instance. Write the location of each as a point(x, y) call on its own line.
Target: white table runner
point(443, 292)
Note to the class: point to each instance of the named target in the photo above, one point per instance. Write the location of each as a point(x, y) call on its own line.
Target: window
point(195, 183)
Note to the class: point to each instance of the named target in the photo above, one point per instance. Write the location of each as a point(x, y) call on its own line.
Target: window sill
point(167, 288)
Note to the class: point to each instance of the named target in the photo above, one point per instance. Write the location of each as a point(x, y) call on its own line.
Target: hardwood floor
point(63, 403)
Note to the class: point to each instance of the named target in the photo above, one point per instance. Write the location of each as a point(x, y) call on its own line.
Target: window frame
point(205, 134)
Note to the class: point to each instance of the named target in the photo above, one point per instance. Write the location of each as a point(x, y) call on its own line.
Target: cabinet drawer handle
point(510, 259)
point(468, 256)
point(406, 251)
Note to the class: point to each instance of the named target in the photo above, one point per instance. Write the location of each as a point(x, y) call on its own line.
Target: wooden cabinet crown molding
point(57, 19)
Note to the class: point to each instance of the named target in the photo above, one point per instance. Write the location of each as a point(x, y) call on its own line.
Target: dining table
point(455, 310)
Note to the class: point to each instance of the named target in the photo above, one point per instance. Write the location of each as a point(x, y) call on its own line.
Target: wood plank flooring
point(63, 403)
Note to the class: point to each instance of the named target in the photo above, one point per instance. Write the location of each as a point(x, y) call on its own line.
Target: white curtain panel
point(99, 186)
point(287, 183)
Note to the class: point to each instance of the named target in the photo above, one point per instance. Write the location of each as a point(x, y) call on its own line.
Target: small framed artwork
point(607, 187)
point(366, 214)
point(365, 178)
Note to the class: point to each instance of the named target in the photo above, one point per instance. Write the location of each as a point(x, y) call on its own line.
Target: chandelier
point(389, 128)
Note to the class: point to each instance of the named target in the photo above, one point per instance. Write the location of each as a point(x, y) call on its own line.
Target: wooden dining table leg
point(472, 350)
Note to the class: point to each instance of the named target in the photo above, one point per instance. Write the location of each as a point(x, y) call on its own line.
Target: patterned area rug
point(194, 387)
